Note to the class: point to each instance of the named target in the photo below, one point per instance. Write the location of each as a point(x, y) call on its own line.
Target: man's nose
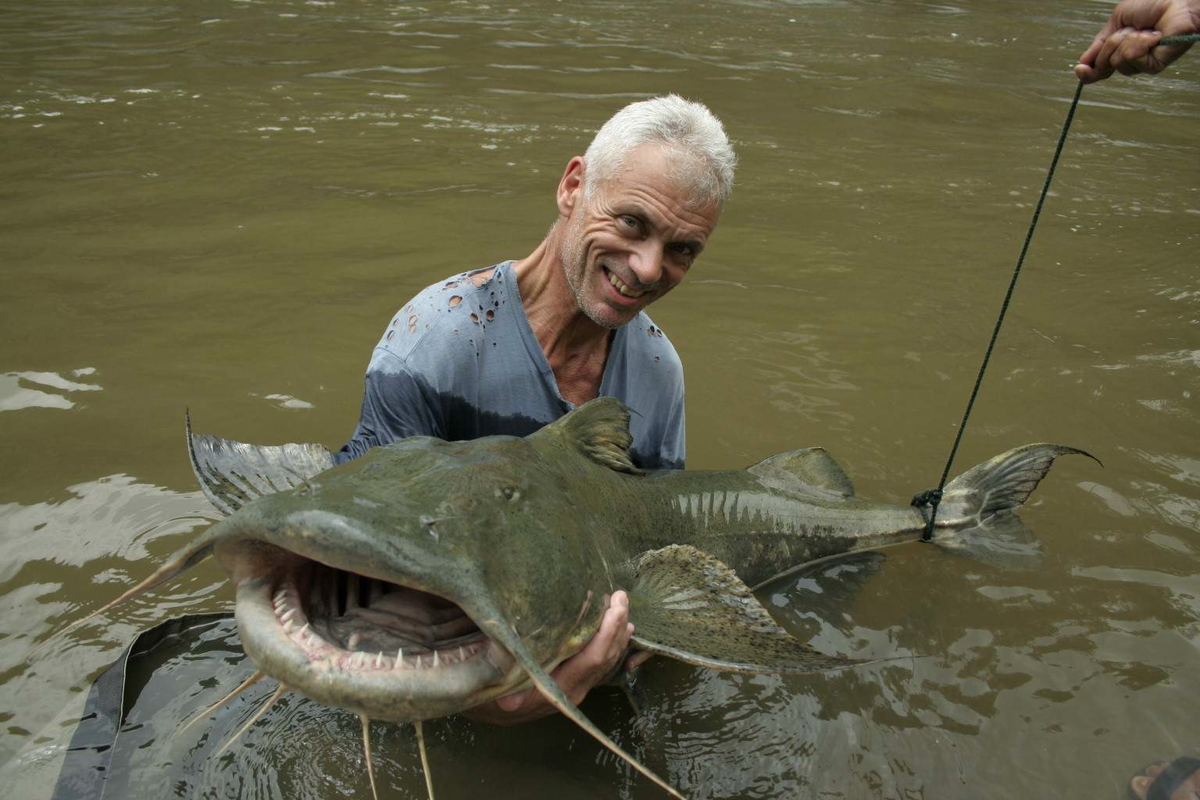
point(646, 261)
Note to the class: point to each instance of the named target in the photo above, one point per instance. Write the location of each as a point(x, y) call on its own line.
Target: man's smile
point(621, 286)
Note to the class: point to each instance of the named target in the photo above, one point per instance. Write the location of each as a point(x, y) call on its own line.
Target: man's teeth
point(622, 288)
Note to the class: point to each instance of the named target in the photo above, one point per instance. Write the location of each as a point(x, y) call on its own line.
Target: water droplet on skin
point(412, 328)
point(454, 301)
point(491, 315)
point(390, 335)
point(412, 320)
point(474, 318)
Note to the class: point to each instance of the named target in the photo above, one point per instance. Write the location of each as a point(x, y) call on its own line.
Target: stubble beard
point(573, 255)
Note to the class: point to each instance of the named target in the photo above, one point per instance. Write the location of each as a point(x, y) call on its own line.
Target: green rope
point(932, 497)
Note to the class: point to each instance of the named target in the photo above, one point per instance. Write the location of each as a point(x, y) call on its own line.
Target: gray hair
point(697, 147)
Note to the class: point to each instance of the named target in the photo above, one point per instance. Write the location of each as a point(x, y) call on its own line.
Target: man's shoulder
point(440, 320)
point(645, 341)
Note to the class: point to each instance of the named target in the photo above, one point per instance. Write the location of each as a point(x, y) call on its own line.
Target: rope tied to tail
point(933, 497)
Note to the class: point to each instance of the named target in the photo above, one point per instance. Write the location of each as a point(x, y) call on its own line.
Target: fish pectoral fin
point(231, 474)
point(803, 471)
point(689, 605)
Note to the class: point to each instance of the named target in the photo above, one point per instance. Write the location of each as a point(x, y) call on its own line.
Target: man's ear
point(570, 186)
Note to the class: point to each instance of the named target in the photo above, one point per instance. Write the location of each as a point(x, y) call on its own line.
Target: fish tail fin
point(999, 485)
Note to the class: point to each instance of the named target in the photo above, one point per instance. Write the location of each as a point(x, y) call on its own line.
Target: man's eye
point(630, 222)
point(685, 250)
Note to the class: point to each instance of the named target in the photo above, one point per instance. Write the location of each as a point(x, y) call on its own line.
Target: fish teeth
point(399, 658)
point(305, 630)
point(379, 660)
point(288, 625)
point(287, 615)
point(462, 654)
point(435, 658)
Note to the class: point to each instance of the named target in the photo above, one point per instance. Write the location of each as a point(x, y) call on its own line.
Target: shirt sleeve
point(397, 403)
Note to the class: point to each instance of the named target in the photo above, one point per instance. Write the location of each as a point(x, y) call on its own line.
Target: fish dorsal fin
point(231, 474)
point(689, 605)
point(798, 470)
point(599, 429)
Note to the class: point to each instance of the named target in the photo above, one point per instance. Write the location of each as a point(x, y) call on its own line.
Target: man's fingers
point(620, 599)
point(1129, 42)
point(511, 702)
point(1089, 55)
point(1132, 55)
point(637, 659)
point(1103, 64)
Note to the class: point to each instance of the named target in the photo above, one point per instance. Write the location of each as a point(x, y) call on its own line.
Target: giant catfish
point(428, 577)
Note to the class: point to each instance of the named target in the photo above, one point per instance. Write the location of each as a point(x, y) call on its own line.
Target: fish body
point(428, 577)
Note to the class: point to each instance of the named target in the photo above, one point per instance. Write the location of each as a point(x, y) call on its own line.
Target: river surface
point(219, 205)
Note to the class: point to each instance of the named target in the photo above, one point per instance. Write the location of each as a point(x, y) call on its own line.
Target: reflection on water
point(15, 393)
point(61, 559)
point(219, 206)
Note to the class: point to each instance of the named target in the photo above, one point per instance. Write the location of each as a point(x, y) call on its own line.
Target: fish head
point(399, 585)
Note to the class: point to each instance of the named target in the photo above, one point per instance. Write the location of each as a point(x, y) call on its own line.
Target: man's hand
point(1129, 44)
point(576, 676)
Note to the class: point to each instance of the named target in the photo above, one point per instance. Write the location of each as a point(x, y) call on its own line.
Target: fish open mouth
point(371, 645)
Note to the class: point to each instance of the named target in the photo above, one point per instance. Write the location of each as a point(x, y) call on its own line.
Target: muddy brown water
point(219, 205)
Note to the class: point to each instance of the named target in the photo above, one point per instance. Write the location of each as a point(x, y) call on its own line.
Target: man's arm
point(1129, 42)
point(396, 404)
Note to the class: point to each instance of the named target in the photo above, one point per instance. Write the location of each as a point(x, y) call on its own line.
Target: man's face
point(633, 241)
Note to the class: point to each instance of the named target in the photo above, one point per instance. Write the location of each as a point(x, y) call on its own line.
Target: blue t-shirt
point(460, 361)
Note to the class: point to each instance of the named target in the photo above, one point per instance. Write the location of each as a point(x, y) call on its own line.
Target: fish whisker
point(243, 686)
point(258, 714)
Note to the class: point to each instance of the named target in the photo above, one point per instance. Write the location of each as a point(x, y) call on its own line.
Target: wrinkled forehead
point(665, 169)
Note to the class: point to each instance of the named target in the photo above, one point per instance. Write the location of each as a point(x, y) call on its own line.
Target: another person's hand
point(578, 675)
point(1129, 42)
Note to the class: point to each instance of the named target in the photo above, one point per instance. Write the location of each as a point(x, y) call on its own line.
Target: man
point(1129, 42)
point(510, 348)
